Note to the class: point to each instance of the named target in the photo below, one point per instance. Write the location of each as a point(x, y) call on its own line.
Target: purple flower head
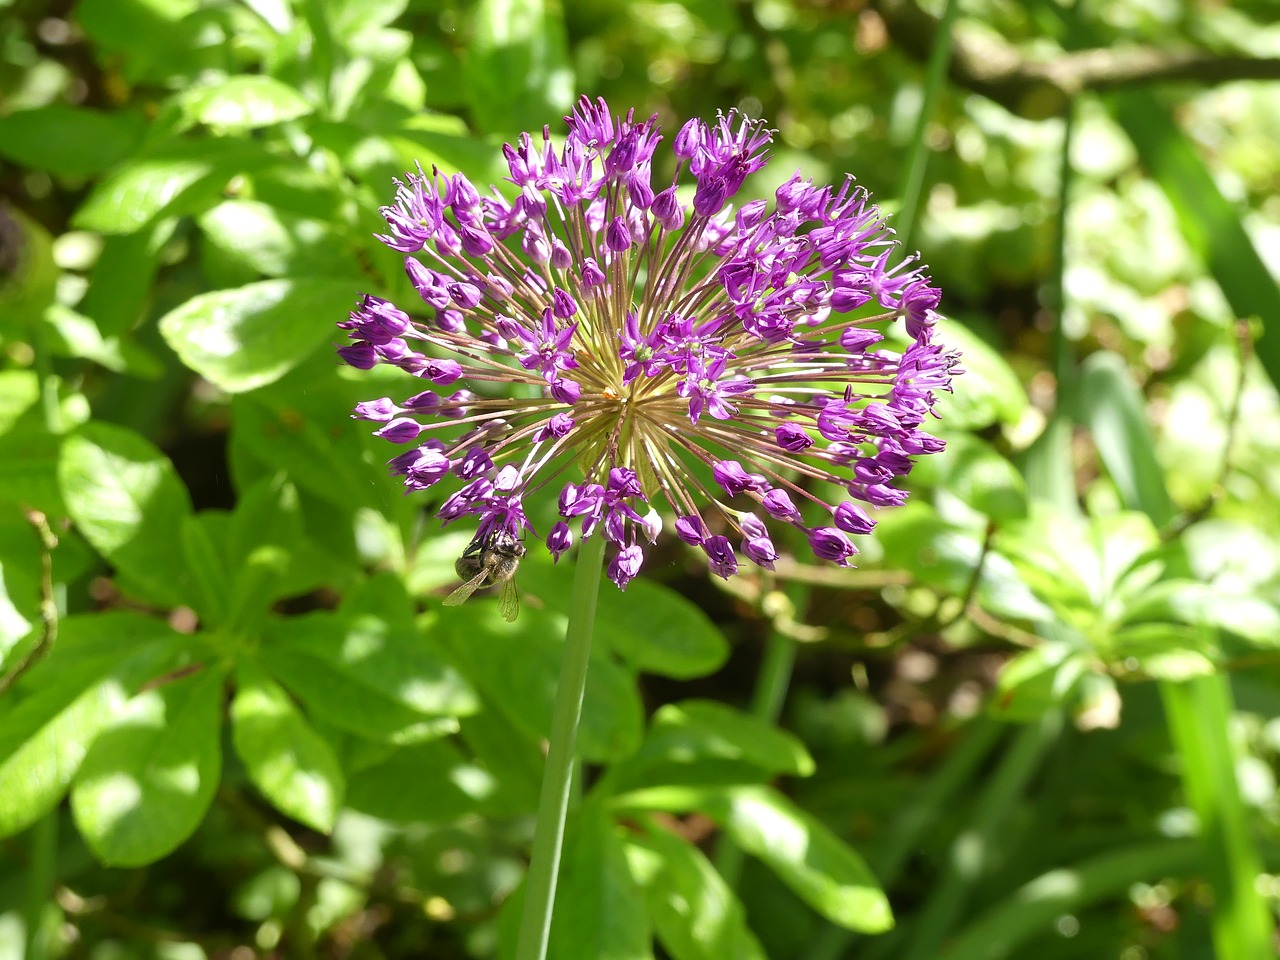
point(636, 349)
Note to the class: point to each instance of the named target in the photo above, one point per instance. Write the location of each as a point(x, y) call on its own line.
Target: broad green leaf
point(820, 867)
point(696, 914)
point(13, 625)
point(424, 783)
point(656, 630)
point(1008, 928)
point(516, 668)
point(824, 871)
point(989, 392)
point(277, 243)
point(367, 675)
point(515, 759)
point(121, 280)
point(244, 102)
point(325, 456)
point(599, 909)
point(73, 334)
point(1115, 413)
point(250, 336)
point(43, 743)
point(291, 764)
point(704, 742)
point(264, 534)
point(517, 70)
point(1038, 680)
point(1201, 604)
point(350, 18)
point(937, 552)
point(1165, 651)
point(19, 394)
point(651, 627)
point(74, 693)
point(147, 29)
point(151, 773)
point(1210, 223)
point(29, 275)
point(207, 561)
point(974, 472)
point(175, 178)
point(70, 141)
point(126, 499)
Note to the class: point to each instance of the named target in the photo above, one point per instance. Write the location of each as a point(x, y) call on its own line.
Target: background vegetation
point(1041, 716)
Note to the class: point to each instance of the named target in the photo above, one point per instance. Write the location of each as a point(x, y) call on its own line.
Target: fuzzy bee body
point(486, 562)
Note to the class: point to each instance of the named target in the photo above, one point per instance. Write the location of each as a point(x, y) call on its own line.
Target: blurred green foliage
point(1039, 720)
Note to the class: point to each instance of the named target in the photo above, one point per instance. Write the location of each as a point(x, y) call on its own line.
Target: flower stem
point(557, 778)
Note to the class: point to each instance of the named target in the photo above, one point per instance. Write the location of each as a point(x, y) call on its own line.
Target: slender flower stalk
point(730, 364)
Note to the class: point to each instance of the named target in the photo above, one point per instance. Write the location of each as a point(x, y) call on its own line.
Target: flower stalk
point(557, 777)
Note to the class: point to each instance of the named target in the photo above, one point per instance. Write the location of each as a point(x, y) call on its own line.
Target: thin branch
point(1038, 89)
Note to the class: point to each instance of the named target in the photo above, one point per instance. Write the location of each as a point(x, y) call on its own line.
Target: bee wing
point(509, 601)
point(459, 596)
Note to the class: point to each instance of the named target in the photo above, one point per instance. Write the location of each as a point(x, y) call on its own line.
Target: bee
point(488, 561)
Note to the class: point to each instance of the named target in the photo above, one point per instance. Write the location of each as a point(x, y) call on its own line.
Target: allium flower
point(661, 347)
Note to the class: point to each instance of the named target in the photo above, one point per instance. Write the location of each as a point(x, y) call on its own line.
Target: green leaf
point(656, 630)
point(697, 915)
point(1165, 651)
point(151, 773)
point(244, 103)
point(424, 783)
point(286, 759)
point(126, 499)
point(262, 239)
point(44, 741)
point(72, 334)
point(517, 70)
point(989, 392)
point(1038, 680)
point(74, 693)
point(150, 30)
point(651, 626)
point(324, 452)
point(250, 336)
point(1115, 413)
point(210, 571)
point(824, 871)
point(175, 178)
point(29, 275)
point(264, 533)
point(516, 668)
point(704, 742)
point(348, 19)
point(1209, 222)
point(69, 141)
point(122, 278)
point(599, 910)
point(1030, 911)
point(1200, 604)
point(974, 472)
point(363, 675)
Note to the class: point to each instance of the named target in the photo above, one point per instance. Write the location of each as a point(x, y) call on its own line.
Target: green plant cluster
point(1042, 717)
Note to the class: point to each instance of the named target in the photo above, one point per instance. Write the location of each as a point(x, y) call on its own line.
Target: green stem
point(918, 157)
point(1199, 717)
point(557, 779)
point(40, 879)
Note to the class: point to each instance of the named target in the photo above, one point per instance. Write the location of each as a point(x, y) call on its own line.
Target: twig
point(1038, 89)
